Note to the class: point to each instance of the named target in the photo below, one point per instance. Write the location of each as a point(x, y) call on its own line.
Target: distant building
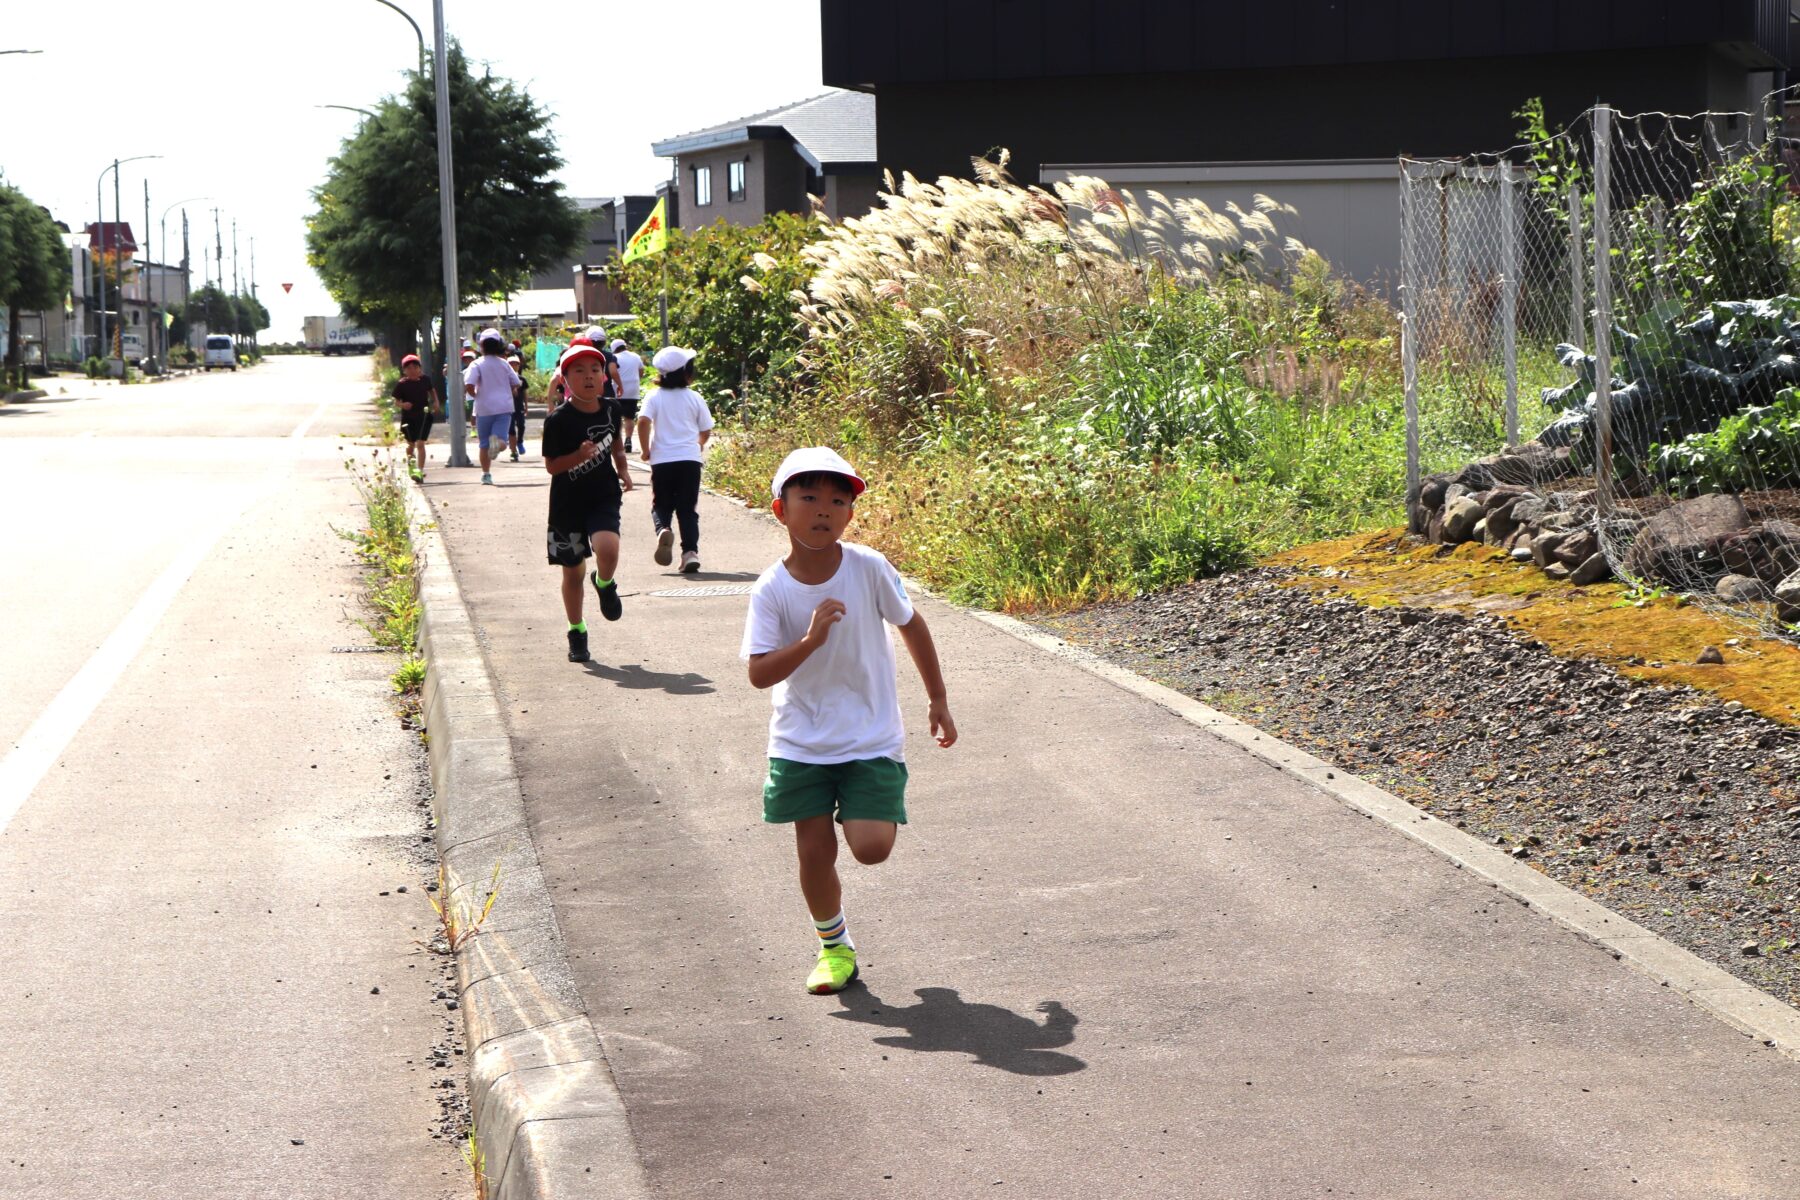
point(743, 170)
point(1309, 101)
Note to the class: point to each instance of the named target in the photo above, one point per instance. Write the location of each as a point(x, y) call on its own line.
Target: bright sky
point(226, 91)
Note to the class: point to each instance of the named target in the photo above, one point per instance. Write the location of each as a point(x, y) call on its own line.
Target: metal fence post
point(1409, 348)
point(1603, 440)
point(1509, 299)
point(1577, 286)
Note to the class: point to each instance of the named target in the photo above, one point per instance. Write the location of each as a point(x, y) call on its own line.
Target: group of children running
point(817, 633)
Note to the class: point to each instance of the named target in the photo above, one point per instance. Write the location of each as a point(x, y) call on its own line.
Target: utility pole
point(187, 280)
point(151, 325)
point(453, 399)
point(234, 270)
point(119, 256)
point(219, 254)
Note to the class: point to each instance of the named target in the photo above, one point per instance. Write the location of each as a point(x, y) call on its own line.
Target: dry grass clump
point(1019, 278)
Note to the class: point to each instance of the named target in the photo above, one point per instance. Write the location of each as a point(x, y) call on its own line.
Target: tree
point(211, 307)
point(34, 269)
point(374, 237)
point(249, 316)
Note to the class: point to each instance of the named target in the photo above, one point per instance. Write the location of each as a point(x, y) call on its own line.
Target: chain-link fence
point(1601, 342)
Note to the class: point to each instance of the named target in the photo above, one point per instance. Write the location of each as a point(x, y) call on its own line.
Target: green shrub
point(1754, 448)
point(729, 297)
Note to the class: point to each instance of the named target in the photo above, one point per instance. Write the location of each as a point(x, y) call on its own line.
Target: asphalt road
point(204, 991)
point(1112, 956)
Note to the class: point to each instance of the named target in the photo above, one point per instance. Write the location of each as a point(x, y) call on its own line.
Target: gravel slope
point(1677, 810)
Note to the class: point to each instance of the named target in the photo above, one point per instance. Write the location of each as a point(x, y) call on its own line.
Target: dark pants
point(518, 428)
point(675, 490)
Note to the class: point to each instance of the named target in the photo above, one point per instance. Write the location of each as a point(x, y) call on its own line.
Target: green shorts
point(868, 789)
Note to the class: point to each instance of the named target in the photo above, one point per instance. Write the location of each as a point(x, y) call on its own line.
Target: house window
point(734, 179)
point(702, 185)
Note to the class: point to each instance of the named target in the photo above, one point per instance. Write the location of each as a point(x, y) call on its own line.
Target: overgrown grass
point(384, 543)
point(1068, 396)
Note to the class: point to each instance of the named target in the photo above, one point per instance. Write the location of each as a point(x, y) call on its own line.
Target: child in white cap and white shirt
point(673, 430)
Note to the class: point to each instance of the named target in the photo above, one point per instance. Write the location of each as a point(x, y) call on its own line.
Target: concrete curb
point(547, 1112)
point(1743, 1007)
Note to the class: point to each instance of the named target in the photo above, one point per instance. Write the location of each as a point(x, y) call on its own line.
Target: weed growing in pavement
point(477, 1161)
point(458, 920)
point(385, 544)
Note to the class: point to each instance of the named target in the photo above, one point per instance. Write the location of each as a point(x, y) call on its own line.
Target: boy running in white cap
point(589, 475)
point(674, 429)
point(817, 633)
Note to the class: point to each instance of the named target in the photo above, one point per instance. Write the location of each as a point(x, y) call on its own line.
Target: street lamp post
point(459, 452)
point(415, 28)
point(100, 232)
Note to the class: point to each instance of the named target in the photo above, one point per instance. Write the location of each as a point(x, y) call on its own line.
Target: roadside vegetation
point(1060, 396)
point(385, 545)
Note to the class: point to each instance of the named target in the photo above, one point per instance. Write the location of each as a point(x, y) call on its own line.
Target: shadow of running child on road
point(994, 1036)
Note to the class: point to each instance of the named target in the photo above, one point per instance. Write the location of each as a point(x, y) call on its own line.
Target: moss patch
point(1656, 641)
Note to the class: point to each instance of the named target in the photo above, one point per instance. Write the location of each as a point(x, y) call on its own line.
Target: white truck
point(334, 335)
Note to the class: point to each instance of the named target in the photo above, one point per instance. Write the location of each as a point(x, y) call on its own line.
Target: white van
point(220, 352)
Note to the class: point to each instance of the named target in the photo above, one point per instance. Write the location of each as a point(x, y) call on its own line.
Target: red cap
point(581, 339)
point(411, 358)
point(579, 348)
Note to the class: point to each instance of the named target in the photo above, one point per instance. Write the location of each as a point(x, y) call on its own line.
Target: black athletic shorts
point(569, 547)
point(415, 426)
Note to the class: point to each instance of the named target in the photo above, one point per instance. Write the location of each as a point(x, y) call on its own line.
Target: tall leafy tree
point(374, 237)
point(34, 268)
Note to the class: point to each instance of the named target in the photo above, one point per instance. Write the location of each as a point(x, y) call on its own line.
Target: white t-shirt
point(842, 704)
point(680, 417)
point(631, 371)
point(494, 382)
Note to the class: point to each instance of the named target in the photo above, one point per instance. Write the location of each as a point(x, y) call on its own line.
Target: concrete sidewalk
point(1112, 956)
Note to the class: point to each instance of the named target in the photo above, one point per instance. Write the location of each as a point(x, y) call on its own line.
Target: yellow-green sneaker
point(836, 970)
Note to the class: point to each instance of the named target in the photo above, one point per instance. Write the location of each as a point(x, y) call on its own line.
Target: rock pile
point(1708, 542)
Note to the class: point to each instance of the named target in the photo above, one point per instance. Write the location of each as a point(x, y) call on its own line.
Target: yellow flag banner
point(652, 236)
point(168, 319)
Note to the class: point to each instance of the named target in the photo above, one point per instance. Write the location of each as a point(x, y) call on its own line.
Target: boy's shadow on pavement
point(994, 1036)
point(635, 677)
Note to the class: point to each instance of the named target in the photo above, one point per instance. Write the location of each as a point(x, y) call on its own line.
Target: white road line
point(305, 426)
point(25, 766)
point(36, 752)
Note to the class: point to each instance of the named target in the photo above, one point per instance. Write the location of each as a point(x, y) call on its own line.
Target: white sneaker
point(690, 561)
point(665, 547)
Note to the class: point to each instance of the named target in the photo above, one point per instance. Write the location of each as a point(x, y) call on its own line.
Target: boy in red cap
point(589, 476)
point(416, 398)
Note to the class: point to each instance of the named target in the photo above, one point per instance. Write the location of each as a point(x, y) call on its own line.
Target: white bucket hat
point(672, 358)
point(810, 459)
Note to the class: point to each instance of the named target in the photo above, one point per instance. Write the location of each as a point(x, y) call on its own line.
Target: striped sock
point(834, 931)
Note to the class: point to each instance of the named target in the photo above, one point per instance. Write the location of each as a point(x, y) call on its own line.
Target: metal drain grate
point(701, 593)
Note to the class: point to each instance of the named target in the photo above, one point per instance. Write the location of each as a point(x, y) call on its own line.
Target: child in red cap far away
point(416, 398)
point(818, 634)
point(589, 476)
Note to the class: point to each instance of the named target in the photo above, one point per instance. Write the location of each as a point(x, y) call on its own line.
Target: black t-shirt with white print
point(592, 484)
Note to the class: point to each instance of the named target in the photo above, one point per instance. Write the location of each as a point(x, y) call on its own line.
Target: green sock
point(601, 583)
point(578, 627)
